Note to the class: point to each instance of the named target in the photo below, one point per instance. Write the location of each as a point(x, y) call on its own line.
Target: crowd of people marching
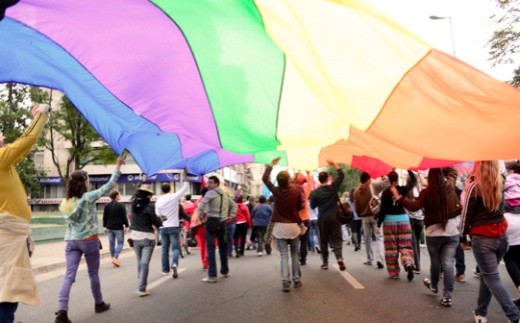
point(390, 216)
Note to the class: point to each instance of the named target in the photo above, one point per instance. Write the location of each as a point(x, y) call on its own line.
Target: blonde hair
point(489, 183)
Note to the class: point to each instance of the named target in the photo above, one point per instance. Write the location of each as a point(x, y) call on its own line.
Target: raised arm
point(96, 194)
point(15, 152)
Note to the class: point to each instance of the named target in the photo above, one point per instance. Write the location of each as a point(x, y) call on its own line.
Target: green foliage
point(16, 116)
point(505, 42)
point(86, 145)
point(351, 177)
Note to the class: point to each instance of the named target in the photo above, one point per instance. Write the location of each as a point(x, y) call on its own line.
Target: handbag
point(344, 212)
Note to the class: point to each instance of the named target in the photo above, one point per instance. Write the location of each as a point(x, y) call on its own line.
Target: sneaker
point(394, 277)
point(143, 294)
point(476, 272)
point(368, 263)
point(226, 275)
point(479, 318)
point(460, 278)
point(297, 284)
point(341, 265)
point(286, 287)
point(260, 254)
point(380, 265)
point(61, 317)
point(446, 302)
point(209, 280)
point(324, 266)
point(409, 276)
point(102, 307)
point(116, 262)
point(165, 273)
point(428, 284)
point(357, 248)
point(175, 273)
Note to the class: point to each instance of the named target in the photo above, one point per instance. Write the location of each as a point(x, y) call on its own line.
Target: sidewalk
point(49, 256)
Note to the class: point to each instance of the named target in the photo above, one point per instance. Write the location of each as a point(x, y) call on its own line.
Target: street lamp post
point(451, 29)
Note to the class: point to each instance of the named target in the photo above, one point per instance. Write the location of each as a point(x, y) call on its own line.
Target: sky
point(472, 28)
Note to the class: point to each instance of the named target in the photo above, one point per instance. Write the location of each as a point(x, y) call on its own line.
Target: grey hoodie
point(211, 203)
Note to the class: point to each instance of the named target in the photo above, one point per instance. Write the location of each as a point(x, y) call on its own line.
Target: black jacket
point(325, 198)
point(143, 216)
point(114, 216)
point(389, 205)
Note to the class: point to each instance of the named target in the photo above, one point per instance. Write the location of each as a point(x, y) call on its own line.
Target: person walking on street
point(219, 208)
point(261, 217)
point(325, 198)
point(144, 223)
point(483, 219)
point(286, 222)
point(396, 228)
point(79, 209)
point(167, 208)
point(243, 222)
point(363, 197)
point(115, 222)
point(15, 216)
point(441, 207)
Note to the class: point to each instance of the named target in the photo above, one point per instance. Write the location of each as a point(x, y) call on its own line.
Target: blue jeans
point(314, 239)
point(283, 247)
point(143, 251)
point(114, 235)
point(442, 254)
point(230, 232)
point(170, 235)
point(222, 250)
point(488, 253)
point(74, 249)
point(7, 311)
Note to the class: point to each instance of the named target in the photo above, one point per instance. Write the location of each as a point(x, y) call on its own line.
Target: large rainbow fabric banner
point(204, 84)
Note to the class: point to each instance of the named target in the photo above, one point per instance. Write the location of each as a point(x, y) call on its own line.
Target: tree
point(86, 146)
point(351, 177)
point(505, 41)
point(16, 116)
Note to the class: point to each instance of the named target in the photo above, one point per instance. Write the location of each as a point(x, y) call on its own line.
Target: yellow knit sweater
point(13, 198)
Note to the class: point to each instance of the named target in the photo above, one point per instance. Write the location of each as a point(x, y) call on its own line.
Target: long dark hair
point(77, 184)
point(436, 193)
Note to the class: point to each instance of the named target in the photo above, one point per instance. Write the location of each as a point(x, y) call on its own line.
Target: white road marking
point(163, 280)
point(349, 278)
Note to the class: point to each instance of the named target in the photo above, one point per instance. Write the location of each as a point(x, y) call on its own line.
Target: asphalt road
point(253, 294)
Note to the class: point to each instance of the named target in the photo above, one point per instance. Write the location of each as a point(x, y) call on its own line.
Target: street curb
point(47, 268)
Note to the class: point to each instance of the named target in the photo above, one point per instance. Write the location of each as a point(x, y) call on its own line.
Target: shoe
point(175, 273)
point(209, 280)
point(409, 276)
point(116, 262)
point(517, 302)
point(394, 276)
point(61, 317)
point(165, 273)
point(143, 294)
point(460, 278)
point(297, 284)
point(159, 243)
point(446, 302)
point(325, 266)
point(416, 272)
point(303, 262)
point(380, 265)
point(226, 275)
point(357, 248)
point(260, 254)
point(341, 265)
point(368, 263)
point(428, 284)
point(286, 287)
point(479, 318)
point(237, 255)
point(318, 250)
point(476, 272)
point(102, 307)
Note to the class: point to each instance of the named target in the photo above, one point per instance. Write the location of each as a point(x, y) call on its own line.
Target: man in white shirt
point(167, 207)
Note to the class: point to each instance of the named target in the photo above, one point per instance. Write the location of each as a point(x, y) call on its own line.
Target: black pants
point(330, 232)
point(417, 232)
point(512, 260)
point(303, 244)
point(355, 226)
point(240, 237)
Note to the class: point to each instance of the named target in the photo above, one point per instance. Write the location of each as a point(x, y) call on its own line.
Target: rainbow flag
point(204, 84)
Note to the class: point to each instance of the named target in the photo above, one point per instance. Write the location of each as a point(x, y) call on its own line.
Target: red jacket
point(243, 214)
